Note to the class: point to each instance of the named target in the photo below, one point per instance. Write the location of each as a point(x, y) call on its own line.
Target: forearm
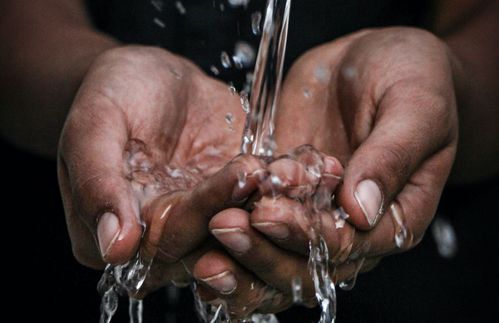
point(47, 49)
point(472, 40)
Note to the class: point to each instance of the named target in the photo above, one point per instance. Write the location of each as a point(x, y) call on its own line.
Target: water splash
point(325, 291)
point(123, 279)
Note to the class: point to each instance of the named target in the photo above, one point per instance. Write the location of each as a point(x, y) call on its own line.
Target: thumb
point(405, 133)
point(98, 194)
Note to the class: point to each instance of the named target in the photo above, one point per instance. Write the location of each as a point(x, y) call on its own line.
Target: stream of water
point(257, 139)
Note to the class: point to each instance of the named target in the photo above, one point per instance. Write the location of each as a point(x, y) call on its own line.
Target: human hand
point(383, 102)
point(143, 145)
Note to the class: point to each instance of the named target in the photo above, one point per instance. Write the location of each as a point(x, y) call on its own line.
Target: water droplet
point(245, 102)
point(403, 237)
point(232, 89)
point(238, 3)
point(241, 182)
point(159, 22)
point(157, 4)
point(297, 289)
point(275, 180)
point(244, 55)
point(256, 23)
point(350, 283)
point(180, 7)
point(306, 93)
point(222, 7)
point(340, 216)
point(229, 118)
point(214, 70)
point(349, 72)
point(225, 59)
point(322, 74)
point(445, 237)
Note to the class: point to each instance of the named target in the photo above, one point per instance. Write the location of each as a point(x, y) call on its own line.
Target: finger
point(288, 223)
point(92, 155)
point(412, 124)
point(178, 222)
point(83, 244)
point(405, 222)
point(242, 292)
point(273, 265)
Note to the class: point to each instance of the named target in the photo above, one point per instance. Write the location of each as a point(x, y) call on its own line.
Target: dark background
point(419, 286)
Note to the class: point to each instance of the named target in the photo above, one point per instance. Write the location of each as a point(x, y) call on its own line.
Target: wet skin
point(386, 112)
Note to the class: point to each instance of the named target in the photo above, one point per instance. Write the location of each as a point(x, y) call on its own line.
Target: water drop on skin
point(350, 283)
point(232, 89)
point(229, 118)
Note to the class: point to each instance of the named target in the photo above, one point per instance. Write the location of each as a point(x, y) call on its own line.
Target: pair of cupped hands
point(379, 105)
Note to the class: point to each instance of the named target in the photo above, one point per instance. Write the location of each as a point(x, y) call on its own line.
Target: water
point(256, 23)
point(258, 139)
point(265, 91)
point(135, 308)
point(445, 237)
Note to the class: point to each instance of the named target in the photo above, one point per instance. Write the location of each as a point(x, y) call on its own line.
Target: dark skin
point(389, 117)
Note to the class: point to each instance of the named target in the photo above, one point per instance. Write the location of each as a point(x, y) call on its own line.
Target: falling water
point(258, 139)
point(258, 133)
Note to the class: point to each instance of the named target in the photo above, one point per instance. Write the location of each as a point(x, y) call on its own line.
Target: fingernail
point(369, 197)
point(108, 230)
point(233, 238)
point(329, 164)
point(272, 229)
point(224, 282)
